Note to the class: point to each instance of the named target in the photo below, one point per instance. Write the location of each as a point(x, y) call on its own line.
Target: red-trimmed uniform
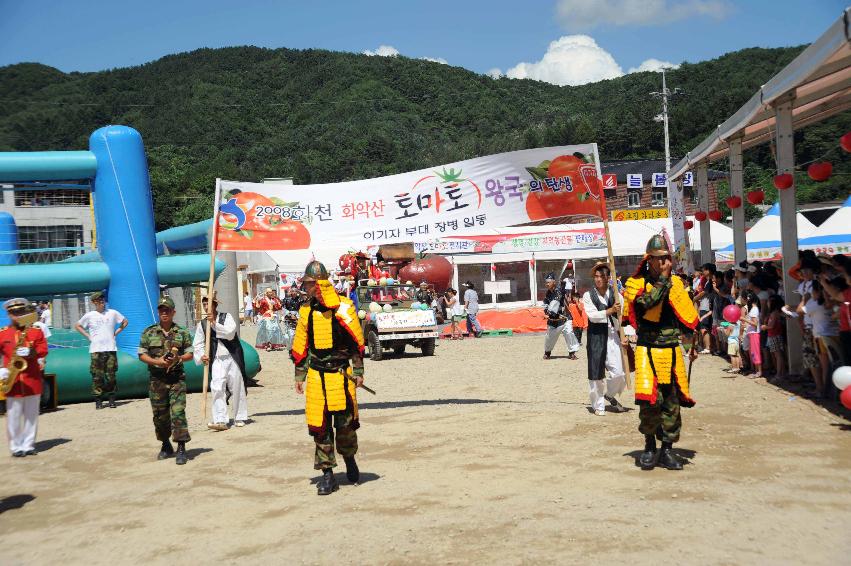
point(22, 401)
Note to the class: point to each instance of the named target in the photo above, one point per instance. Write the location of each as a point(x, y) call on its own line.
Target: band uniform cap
point(599, 265)
point(550, 276)
point(423, 283)
point(17, 304)
point(315, 271)
point(657, 246)
point(97, 296)
point(165, 302)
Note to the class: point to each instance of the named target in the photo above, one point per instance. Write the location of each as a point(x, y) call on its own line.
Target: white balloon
point(388, 307)
point(415, 305)
point(382, 281)
point(842, 377)
point(361, 314)
point(374, 307)
point(371, 282)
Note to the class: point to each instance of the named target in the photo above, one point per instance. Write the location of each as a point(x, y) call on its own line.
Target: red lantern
point(734, 202)
point(700, 216)
point(820, 171)
point(715, 215)
point(756, 197)
point(845, 142)
point(688, 224)
point(783, 181)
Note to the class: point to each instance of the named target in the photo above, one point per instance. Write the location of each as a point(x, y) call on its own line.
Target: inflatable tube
point(48, 279)
point(179, 269)
point(47, 165)
point(74, 381)
point(186, 238)
point(8, 239)
point(125, 221)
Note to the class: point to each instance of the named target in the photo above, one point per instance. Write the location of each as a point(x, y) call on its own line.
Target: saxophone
point(172, 353)
point(17, 364)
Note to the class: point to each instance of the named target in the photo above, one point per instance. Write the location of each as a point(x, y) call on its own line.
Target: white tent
point(834, 235)
point(763, 238)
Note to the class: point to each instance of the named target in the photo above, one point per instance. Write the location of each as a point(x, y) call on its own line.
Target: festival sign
point(638, 214)
point(560, 240)
point(456, 199)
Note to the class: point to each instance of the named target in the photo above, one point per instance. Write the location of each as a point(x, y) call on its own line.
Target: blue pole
point(125, 220)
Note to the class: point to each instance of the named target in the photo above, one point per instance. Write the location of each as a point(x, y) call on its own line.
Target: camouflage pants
point(103, 368)
point(168, 401)
point(347, 441)
point(662, 419)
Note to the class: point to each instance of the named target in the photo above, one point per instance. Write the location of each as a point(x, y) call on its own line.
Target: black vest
point(234, 346)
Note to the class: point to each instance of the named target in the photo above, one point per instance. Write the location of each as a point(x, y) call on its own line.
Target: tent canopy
point(834, 234)
point(763, 238)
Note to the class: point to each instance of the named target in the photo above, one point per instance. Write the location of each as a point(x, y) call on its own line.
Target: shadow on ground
point(395, 405)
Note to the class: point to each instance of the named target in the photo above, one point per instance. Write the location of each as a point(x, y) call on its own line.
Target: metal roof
point(818, 81)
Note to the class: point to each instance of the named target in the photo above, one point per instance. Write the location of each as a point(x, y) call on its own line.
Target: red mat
point(530, 319)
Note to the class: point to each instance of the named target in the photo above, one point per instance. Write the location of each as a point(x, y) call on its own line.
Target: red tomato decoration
point(756, 197)
point(436, 270)
point(845, 142)
point(288, 235)
point(715, 215)
point(564, 165)
point(688, 224)
point(820, 170)
point(584, 199)
point(734, 202)
point(783, 181)
point(700, 216)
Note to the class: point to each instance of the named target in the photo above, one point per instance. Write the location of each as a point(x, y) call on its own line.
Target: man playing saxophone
point(24, 350)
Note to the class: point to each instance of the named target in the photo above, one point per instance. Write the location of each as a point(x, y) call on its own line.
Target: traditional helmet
point(657, 246)
point(315, 271)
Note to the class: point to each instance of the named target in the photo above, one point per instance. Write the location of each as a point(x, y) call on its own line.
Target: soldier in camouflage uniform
point(164, 347)
point(328, 354)
point(658, 305)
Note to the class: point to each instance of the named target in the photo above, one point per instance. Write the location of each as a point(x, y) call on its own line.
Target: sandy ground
point(483, 454)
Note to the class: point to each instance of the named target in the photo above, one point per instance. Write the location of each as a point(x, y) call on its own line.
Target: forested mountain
point(246, 113)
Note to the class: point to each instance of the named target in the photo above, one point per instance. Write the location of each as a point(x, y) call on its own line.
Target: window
point(477, 274)
point(65, 197)
point(658, 197)
point(517, 272)
point(53, 237)
point(633, 199)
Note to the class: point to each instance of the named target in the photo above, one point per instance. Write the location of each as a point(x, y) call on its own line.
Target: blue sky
point(562, 41)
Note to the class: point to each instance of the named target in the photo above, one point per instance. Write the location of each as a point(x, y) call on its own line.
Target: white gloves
point(4, 374)
point(23, 351)
point(41, 363)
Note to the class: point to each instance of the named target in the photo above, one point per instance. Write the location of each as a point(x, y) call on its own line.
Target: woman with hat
point(269, 334)
point(21, 341)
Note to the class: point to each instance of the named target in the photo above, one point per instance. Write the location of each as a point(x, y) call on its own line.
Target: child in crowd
point(751, 321)
point(732, 332)
point(825, 335)
point(776, 343)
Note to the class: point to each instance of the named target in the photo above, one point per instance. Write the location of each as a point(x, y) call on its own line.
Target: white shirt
point(225, 331)
point(101, 329)
point(44, 329)
point(248, 303)
point(804, 288)
point(823, 323)
point(753, 324)
point(594, 315)
point(46, 317)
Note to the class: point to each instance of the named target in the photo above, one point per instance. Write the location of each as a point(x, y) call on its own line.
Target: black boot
point(112, 401)
point(648, 457)
point(328, 484)
point(667, 458)
point(181, 454)
point(98, 404)
point(352, 470)
point(546, 355)
point(166, 451)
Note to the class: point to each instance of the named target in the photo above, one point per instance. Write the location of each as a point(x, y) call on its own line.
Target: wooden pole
point(618, 298)
point(214, 241)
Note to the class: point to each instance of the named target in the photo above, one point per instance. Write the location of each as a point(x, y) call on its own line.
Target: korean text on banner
point(450, 200)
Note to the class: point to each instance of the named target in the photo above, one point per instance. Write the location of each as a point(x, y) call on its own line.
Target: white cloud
point(654, 65)
point(581, 15)
point(570, 60)
point(440, 60)
point(494, 73)
point(383, 51)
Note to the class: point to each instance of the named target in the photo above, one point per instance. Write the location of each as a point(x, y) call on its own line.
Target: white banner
point(676, 209)
point(457, 199)
point(405, 319)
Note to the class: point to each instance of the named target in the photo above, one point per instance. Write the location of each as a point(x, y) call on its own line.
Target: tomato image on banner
point(251, 221)
point(567, 185)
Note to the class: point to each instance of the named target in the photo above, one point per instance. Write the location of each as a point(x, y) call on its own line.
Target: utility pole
point(663, 117)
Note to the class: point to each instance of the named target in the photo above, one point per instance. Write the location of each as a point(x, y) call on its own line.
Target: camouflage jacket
point(156, 342)
point(665, 331)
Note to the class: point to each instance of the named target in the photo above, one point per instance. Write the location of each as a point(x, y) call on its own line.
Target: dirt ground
point(482, 454)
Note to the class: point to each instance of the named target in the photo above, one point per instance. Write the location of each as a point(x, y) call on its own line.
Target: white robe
point(224, 372)
point(615, 382)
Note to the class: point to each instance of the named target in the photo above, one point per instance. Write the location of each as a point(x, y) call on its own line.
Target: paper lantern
point(688, 224)
point(715, 215)
point(732, 313)
point(783, 181)
point(734, 202)
point(842, 377)
point(756, 197)
point(700, 216)
point(845, 142)
point(820, 171)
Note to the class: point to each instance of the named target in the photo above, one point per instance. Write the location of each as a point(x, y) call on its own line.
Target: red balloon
point(845, 397)
point(734, 202)
point(700, 216)
point(845, 142)
point(732, 313)
point(688, 224)
point(756, 197)
point(715, 215)
point(820, 171)
point(783, 181)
